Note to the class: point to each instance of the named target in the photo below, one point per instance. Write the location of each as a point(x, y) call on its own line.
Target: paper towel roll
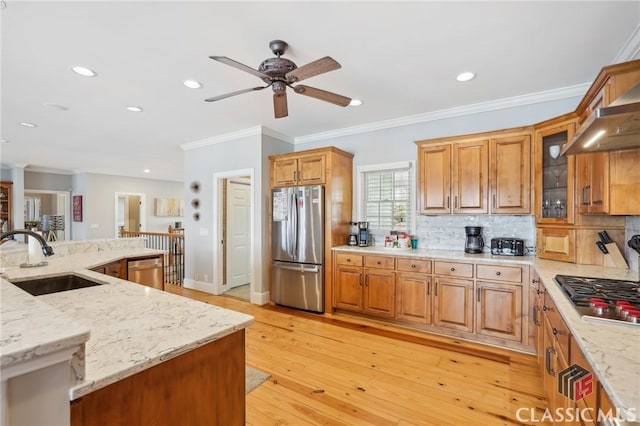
point(35, 251)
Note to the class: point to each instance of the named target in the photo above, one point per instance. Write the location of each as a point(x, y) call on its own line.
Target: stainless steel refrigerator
point(298, 247)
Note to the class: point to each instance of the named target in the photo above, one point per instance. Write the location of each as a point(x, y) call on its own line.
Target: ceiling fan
point(278, 73)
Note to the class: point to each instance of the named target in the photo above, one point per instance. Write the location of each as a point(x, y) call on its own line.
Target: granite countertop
point(612, 349)
point(130, 327)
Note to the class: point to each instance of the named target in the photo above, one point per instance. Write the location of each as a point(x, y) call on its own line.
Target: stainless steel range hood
point(612, 128)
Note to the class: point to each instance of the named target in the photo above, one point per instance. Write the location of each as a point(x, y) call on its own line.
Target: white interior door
point(237, 244)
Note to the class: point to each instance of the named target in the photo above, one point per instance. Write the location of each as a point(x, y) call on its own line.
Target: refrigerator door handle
point(290, 250)
point(294, 224)
point(297, 269)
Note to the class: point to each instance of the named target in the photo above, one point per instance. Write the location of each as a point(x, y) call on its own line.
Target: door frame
point(67, 207)
point(219, 286)
point(143, 210)
point(225, 229)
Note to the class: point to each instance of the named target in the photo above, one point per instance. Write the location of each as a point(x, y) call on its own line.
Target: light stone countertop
point(132, 327)
point(612, 349)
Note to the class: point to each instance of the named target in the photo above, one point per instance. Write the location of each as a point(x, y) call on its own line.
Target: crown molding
point(631, 49)
point(232, 136)
point(533, 98)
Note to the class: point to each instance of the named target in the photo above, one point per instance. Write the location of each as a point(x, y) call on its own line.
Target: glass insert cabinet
point(554, 175)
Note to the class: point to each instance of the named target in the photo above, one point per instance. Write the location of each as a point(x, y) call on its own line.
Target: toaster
point(507, 246)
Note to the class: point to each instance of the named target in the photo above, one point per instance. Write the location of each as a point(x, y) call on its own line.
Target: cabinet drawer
point(500, 273)
point(414, 265)
point(558, 326)
point(348, 259)
point(453, 269)
point(380, 262)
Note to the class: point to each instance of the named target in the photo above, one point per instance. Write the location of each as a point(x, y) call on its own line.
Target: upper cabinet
point(510, 174)
point(554, 174)
point(300, 169)
point(479, 173)
point(5, 206)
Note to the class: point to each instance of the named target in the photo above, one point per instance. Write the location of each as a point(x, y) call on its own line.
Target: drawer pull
point(453, 269)
point(498, 273)
point(378, 263)
point(555, 331)
point(348, 259)
point(547, 360)
point(413, 265)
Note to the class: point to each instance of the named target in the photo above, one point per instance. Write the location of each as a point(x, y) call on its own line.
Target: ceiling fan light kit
point(278, 73)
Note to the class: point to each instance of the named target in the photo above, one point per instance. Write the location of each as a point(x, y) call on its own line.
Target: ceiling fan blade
point(280, 105)
point(311, 69)
point(239, 66)
point(323, 95)
point(238, 92)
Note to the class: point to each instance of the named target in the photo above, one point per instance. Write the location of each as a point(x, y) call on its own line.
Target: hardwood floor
point(329, 371)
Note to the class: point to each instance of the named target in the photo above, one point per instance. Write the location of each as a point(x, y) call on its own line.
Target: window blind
point(386, 201)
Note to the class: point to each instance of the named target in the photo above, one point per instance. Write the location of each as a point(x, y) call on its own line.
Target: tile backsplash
point(447, 232)
point(632, 227)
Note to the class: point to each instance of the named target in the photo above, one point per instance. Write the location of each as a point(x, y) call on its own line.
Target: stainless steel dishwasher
point(149, 272)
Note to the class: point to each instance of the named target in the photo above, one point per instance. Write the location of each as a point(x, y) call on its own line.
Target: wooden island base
point(205, 386)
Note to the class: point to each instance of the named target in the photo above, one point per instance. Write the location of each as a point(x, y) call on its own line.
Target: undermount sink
point(40, 286)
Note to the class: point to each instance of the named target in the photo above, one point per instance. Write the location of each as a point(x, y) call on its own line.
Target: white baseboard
point(200, 285)
point(260, 298)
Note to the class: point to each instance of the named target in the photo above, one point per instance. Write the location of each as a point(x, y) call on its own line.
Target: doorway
point(48, 211)
point(129, 212)
point(233, 230)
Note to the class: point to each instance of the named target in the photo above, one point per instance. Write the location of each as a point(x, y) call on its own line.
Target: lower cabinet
point(379, 293)
point(499, 310)
point(367, 290)
point(482, 302)
point(453, 303)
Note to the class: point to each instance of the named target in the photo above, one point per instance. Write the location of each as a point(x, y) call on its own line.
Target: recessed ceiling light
point(84, 71)
point(57, 106)
point(465, 76)
point(147, 171)
point(355, 102)
point(134, 109)
point(192, 84)
point(26, 124)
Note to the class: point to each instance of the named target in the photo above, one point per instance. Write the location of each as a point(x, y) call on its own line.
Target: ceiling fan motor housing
point(276, 68)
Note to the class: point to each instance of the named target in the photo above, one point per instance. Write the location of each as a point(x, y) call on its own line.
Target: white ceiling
point(400, 58)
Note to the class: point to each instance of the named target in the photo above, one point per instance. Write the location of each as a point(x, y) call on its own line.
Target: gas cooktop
point(603, 298)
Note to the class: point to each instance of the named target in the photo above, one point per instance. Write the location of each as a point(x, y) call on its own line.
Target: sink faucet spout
point(46, 249)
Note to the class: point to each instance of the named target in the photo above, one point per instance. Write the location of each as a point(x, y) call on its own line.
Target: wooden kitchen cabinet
point(592, 183)
point(6, 201)
point(303, 170)
point(379, 293)
point(537, 320)
point(556, 244)
point(452, 295)
point(348, 288)
point(624, 182)
point(475, 174)
point(414, 297)
point(510, 174)
point(590, 400)
point(499, 301)
point(363, 289)
point(114, 269)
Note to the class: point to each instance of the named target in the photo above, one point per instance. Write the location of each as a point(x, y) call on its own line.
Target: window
point(387, 196)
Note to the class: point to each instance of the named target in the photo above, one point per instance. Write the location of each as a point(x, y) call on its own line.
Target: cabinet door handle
point(378, 263)
point(413, 265)
point(436, 288)
point(453, 269)
point(479, 293)
point(428, 289)
point(585, 194)
point(547, 360)
point(536, 321)
point(455, 202)
point(360, 280)
point(555, 331)
point(448, 201)
point(366, 281)
point(498, 273)
point(494, 201)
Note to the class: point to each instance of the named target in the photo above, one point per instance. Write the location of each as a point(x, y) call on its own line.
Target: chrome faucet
point(46, 249)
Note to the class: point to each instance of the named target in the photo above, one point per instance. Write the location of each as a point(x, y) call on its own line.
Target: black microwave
point(507, 246)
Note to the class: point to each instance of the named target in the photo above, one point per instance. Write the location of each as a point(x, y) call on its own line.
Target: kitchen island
point(149, 354)
point(611, 349)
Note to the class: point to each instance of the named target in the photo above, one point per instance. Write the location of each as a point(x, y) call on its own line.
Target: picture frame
point(77, 208)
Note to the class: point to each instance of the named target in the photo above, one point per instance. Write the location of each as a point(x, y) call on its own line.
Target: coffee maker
point(474, 242)
point(363, 234)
